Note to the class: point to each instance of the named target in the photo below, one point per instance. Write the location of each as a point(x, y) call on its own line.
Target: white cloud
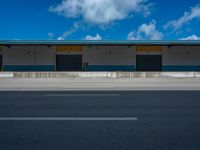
point(146, 32)
point(97, 37)
point(101, 12)
point(50, 35)
point(192, 37)
point(76, 26)
point(194, 13)
point(60, 38)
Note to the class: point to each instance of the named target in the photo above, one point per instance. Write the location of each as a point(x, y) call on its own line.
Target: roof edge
point(102, 42)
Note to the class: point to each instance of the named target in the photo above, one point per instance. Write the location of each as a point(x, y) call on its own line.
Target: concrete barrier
point(6, 75)
point(100, 75)
point(64, 75)
point(178, 74)
point(197, 74)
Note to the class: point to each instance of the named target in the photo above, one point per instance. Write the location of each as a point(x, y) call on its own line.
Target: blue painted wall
point(181, 68)
point(29, 68)
point(109, 68)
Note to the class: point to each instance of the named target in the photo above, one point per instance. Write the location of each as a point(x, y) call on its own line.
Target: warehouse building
point(100, 55)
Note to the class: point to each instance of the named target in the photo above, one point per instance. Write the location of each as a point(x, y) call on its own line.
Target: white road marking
point(68, 118)
point(81, 95)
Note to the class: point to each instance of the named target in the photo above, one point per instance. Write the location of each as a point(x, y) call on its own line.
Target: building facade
point(100, 55)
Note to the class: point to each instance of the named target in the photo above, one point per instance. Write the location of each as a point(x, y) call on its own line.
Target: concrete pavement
point(101, 84)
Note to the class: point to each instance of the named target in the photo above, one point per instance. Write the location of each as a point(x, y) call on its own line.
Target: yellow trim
point(69, 48)
point(149, 48)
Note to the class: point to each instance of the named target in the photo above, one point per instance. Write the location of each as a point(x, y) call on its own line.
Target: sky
point(100, 20)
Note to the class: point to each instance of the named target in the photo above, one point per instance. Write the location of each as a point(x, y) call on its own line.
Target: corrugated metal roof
point(83, 42)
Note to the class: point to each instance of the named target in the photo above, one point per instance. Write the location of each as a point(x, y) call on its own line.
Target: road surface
point(100, 120)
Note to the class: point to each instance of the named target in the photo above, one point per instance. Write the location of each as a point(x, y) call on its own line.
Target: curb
point(112, 75)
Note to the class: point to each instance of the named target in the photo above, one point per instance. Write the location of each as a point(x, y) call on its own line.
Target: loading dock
point(69, 58)
point(149, 58)
point(149, 62)
point(69, 62)
point(127, 56)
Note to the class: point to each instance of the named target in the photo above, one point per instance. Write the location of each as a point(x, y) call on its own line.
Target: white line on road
point(81, 95)
point(68, 118)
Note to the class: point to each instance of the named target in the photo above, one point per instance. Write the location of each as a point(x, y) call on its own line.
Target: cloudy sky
point(100, 20)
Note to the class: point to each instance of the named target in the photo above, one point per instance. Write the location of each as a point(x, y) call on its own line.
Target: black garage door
point(0, 62)
point(69, 62)
point(149, 63)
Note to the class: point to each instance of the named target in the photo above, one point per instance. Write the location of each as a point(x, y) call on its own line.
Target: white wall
point(45, 55)
point(15, 55)
point(109, 55)
point(181, 55)
point(29, 55)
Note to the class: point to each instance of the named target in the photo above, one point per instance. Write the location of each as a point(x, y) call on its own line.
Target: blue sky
point(100, 20)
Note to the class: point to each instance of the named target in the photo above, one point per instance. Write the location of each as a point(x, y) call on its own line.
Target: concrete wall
point(109, 58)
point(181, 58)
point(29, 58)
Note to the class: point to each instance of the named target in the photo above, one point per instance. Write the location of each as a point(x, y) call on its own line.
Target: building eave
point(102, 42)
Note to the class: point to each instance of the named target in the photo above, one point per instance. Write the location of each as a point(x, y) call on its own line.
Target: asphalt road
point(112, 120)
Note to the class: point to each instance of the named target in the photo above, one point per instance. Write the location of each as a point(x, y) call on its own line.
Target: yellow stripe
point(149, 48)
point(68, 48)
